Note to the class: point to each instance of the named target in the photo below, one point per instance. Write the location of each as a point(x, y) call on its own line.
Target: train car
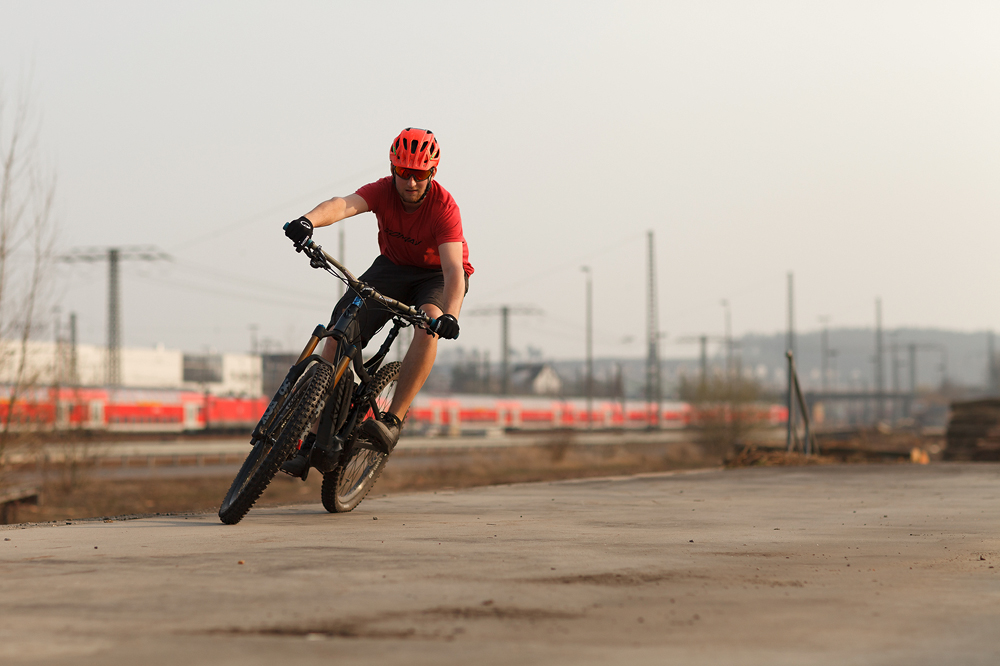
point(170, 410)
point(485, 413)
point(128, 410)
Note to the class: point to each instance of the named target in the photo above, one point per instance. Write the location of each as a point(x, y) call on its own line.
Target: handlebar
point(319, 258)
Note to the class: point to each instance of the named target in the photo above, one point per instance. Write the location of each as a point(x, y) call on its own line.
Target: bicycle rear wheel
point(275, 445)
point(360, 467)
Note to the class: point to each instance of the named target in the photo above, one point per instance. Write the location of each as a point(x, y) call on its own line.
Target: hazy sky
point(855, 144)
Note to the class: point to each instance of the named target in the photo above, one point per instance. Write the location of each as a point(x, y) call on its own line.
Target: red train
point(128, 409)
point(167, 410)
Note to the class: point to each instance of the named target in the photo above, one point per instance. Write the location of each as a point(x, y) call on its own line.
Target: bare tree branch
point(27, 236)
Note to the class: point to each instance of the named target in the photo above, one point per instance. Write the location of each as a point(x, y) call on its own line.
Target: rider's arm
point(454, 277)
point(336, 209)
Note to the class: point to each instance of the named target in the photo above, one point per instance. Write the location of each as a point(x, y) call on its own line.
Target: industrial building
point(58, 364)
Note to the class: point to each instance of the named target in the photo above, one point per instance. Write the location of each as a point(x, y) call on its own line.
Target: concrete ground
point(876, 564)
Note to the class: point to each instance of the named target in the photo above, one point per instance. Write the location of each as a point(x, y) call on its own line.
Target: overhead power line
point(113, 255)
point(273, 210)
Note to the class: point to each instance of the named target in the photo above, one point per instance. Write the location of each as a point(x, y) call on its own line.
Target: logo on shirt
point(402, 237)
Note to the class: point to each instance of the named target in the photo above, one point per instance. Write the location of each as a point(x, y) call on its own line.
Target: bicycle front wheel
point(360, 467)
point(275, 445)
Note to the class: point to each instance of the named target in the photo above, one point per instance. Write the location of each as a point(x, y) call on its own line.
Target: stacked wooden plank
point(974, 430)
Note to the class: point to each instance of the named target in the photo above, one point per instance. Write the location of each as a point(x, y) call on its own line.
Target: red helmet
point(415, 149)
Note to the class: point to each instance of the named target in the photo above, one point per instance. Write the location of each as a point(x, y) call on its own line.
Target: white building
point(536, 378)
point(48, 364)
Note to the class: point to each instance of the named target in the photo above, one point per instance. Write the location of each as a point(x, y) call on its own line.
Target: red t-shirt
point(412, 239)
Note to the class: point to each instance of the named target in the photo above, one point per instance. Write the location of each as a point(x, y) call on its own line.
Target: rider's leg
point(417, 366)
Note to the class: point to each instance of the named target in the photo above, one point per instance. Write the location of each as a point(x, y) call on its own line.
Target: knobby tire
point(275, 445)
point(360, 467)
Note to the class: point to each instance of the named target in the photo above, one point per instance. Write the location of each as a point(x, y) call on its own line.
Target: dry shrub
point(726, 412)
point(753, 456)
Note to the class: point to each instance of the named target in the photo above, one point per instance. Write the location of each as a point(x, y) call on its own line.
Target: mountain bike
point(339, 394)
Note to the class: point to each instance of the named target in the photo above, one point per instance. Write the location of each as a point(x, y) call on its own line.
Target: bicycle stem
point(360, 287)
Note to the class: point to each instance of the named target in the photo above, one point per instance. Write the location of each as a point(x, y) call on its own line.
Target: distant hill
point(961, 357)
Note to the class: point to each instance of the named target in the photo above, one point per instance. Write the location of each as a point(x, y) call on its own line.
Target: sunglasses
point(415, 174)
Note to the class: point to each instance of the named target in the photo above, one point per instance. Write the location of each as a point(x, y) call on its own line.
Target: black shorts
point(407, 284)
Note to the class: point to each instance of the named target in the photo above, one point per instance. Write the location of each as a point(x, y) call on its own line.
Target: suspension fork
point(326, 457)
point(318, 334)
point(329, 444)
point(292, 376)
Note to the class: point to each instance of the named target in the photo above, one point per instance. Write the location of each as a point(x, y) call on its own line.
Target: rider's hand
point(446, 326)
point(299, 230)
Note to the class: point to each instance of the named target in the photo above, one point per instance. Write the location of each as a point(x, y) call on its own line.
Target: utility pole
point(791, 314)
point(114, 374)
point(505, 350)
point(832, 354)
point(824, 343)
point(912, 348)
point(621, 392)
point(729, 341)
point(932, 346)
point(703, 362)
point(879, 387)
point(992, 381)
point(703, 341)
point(505, 311)
point(654, 394)
point(114, 255)
point(59, 369)
point(253, 339)
point(590, 348)
point(790, 345)
point(74, 377)
point(895, 378)
point(59, 363)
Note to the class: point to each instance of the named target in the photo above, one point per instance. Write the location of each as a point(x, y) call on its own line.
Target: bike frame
point(334, 428)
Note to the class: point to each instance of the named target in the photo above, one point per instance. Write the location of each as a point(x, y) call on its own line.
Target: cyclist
point(423, 261)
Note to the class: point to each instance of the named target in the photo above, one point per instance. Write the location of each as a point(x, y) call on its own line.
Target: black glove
point(446, 326)
point(299, 230)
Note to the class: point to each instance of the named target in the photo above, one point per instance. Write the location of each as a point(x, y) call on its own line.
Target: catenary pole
point(590, 347)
